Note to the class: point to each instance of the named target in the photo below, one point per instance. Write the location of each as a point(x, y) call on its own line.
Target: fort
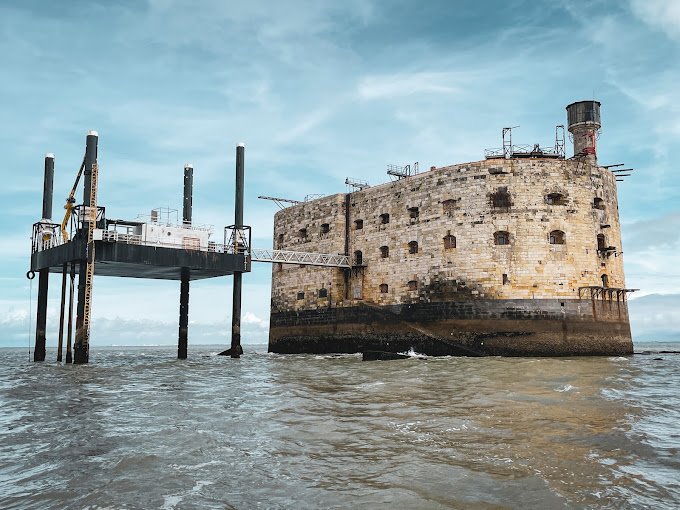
point(517, 254)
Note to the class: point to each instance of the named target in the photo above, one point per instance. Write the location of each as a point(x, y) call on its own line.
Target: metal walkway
point(300, 257)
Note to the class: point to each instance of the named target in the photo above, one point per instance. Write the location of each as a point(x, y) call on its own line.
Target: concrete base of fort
point(532, 327)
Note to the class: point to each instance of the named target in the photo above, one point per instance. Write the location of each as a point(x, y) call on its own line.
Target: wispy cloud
point(397, 85)
point(662, 14)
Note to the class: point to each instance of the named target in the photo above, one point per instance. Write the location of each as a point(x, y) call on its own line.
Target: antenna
point(559, 141)
point(507, 141)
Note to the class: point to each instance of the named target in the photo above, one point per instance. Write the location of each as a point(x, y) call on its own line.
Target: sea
point(138, 429)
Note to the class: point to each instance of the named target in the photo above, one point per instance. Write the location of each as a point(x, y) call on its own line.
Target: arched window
point(601, 242)
point(300, 295)
point(302, 234)
point(384, 288)
point(325, 228)
point(384, 252)
point(556, 237)
point(358, 258)
point(449, 206)
point(358, 224)
point(500, 199)
point(413, 247)
point(384, 219)
point(323, 292)
point(449, 242)
point(555, 199)
point(501, 238)
point(598, 203)
point(413, 214)
point(605, 280)
point(413, 285)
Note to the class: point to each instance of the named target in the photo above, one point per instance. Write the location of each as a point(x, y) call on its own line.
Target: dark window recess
point(449, 206)
point(413, 285)
point(325, 228)
point(500, 199)
point(384, 252)
point(279, 241)
point(323, 292)
point(413, 247)
point(300, 295)
point(557, 237)
point(449, 242)
point(598, 203)
point(384, 219)
point(358, 258)
point(383, 288)
point(413, 213)
point(279, 266)
point(358, 224)
point(501, 238)
point(555, 199)
point(506, 280)
point(601, 242)
point(302, 233)
point(605, 280)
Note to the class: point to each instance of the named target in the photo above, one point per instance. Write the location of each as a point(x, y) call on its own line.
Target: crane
point(70, 201)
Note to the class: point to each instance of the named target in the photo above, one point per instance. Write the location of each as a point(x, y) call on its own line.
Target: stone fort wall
point(524, 229)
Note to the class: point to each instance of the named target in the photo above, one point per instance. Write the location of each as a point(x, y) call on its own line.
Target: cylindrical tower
point(584, 123)
point(188, 194)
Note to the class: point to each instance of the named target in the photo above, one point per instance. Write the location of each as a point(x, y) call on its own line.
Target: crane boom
point(70, 201)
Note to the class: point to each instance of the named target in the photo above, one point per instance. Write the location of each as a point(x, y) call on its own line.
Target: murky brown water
point(137, 429)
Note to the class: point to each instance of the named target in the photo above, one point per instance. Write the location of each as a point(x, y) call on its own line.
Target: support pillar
point(187, 203)
point(236, 350)
point(81, 347)
point(60, 346)
point(183, 314)
point(69, 329)
point(43, 274)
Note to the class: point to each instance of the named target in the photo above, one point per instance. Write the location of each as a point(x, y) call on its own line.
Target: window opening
point(601, 242)
point(384, 252)
point(323, 292)
point(555, 199)
point(500, 199)
point(384, 219)
point(449, 242)
point(598, 203)
point(413, 285)
point(300, 295)
point(358, 224)
point(501, 238)
point(358, 258)
point(384, 288)
point(556, 237)
point(325, 228)
point(413, 247)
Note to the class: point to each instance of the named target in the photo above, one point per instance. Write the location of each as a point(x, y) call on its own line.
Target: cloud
point(655, 317)
point(392, 86)
point(661, 14)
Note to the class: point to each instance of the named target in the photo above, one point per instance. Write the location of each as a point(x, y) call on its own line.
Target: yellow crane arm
point(70, 201)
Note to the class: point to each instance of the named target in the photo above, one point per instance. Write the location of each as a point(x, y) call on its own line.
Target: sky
point(318, 91)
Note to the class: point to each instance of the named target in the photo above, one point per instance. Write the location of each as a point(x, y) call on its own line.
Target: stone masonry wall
point(457, 201)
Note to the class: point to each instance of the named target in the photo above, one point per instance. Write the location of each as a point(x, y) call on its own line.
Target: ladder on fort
point(89, 273)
